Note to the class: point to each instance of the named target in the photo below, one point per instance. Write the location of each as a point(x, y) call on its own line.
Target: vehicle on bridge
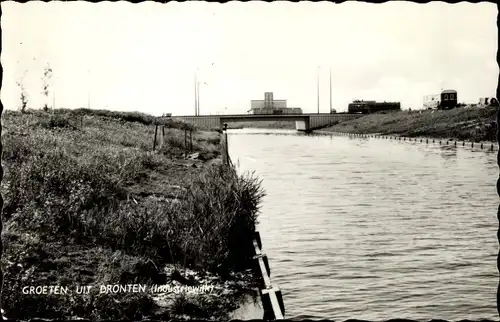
point(365, 107)
point(446, 100)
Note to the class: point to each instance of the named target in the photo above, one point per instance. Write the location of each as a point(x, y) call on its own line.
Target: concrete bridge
point(303, 122)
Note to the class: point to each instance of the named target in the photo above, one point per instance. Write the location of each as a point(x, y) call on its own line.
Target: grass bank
point(87, 203)
point(472, 124)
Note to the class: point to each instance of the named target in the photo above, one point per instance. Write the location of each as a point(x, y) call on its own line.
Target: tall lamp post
point(196, 93)
point(317, 85)
point(88, 91)
point(331, 109)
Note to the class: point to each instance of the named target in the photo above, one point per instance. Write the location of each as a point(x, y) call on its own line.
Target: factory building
point(271, 106)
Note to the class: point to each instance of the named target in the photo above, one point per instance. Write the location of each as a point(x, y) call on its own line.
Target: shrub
point(57, 121)
point(210, 228)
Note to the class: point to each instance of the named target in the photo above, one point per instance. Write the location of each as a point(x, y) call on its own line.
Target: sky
point(143, 57)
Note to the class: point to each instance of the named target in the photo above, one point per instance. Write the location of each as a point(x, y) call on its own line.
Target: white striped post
point(272, 299)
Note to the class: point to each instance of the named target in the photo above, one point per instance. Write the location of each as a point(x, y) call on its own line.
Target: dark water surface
point(375, 229)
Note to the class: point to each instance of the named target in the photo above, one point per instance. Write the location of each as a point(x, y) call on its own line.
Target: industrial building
point(271, 106)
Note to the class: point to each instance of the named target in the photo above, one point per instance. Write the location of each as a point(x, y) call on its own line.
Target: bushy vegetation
point(472, 123)
point(84, 192)
point(131, 117)
point(47, 75)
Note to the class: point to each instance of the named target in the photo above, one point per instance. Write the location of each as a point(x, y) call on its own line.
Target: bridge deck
point(304, 122)
point(256, 116)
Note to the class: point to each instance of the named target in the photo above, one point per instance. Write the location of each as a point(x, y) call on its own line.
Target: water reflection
point(376, 229)
point(448, 152)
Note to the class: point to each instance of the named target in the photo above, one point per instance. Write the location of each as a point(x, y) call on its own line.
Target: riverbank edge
point(241, 282)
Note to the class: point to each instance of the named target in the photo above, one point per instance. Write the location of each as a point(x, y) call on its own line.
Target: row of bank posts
point(483, 146)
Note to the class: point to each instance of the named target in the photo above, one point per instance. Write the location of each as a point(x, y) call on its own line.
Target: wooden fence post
point(225, 152)
point(190, 139)
point(154, 141)
point(185, 141)
point(163, 135)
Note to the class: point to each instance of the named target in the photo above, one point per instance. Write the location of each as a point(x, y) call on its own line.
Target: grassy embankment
point(88, 203)
point(471, 124)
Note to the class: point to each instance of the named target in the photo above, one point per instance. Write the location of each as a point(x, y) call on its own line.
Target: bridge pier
point(303, 125)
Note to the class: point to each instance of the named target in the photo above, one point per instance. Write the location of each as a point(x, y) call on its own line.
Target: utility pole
point(317, 84)
point(330, 89)
point(88, 91)
point(196, 93)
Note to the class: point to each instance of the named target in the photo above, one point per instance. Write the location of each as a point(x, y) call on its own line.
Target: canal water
point(375, 229)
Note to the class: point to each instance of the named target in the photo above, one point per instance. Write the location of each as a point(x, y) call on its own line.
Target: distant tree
point(47, 75)
point(24, 98)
